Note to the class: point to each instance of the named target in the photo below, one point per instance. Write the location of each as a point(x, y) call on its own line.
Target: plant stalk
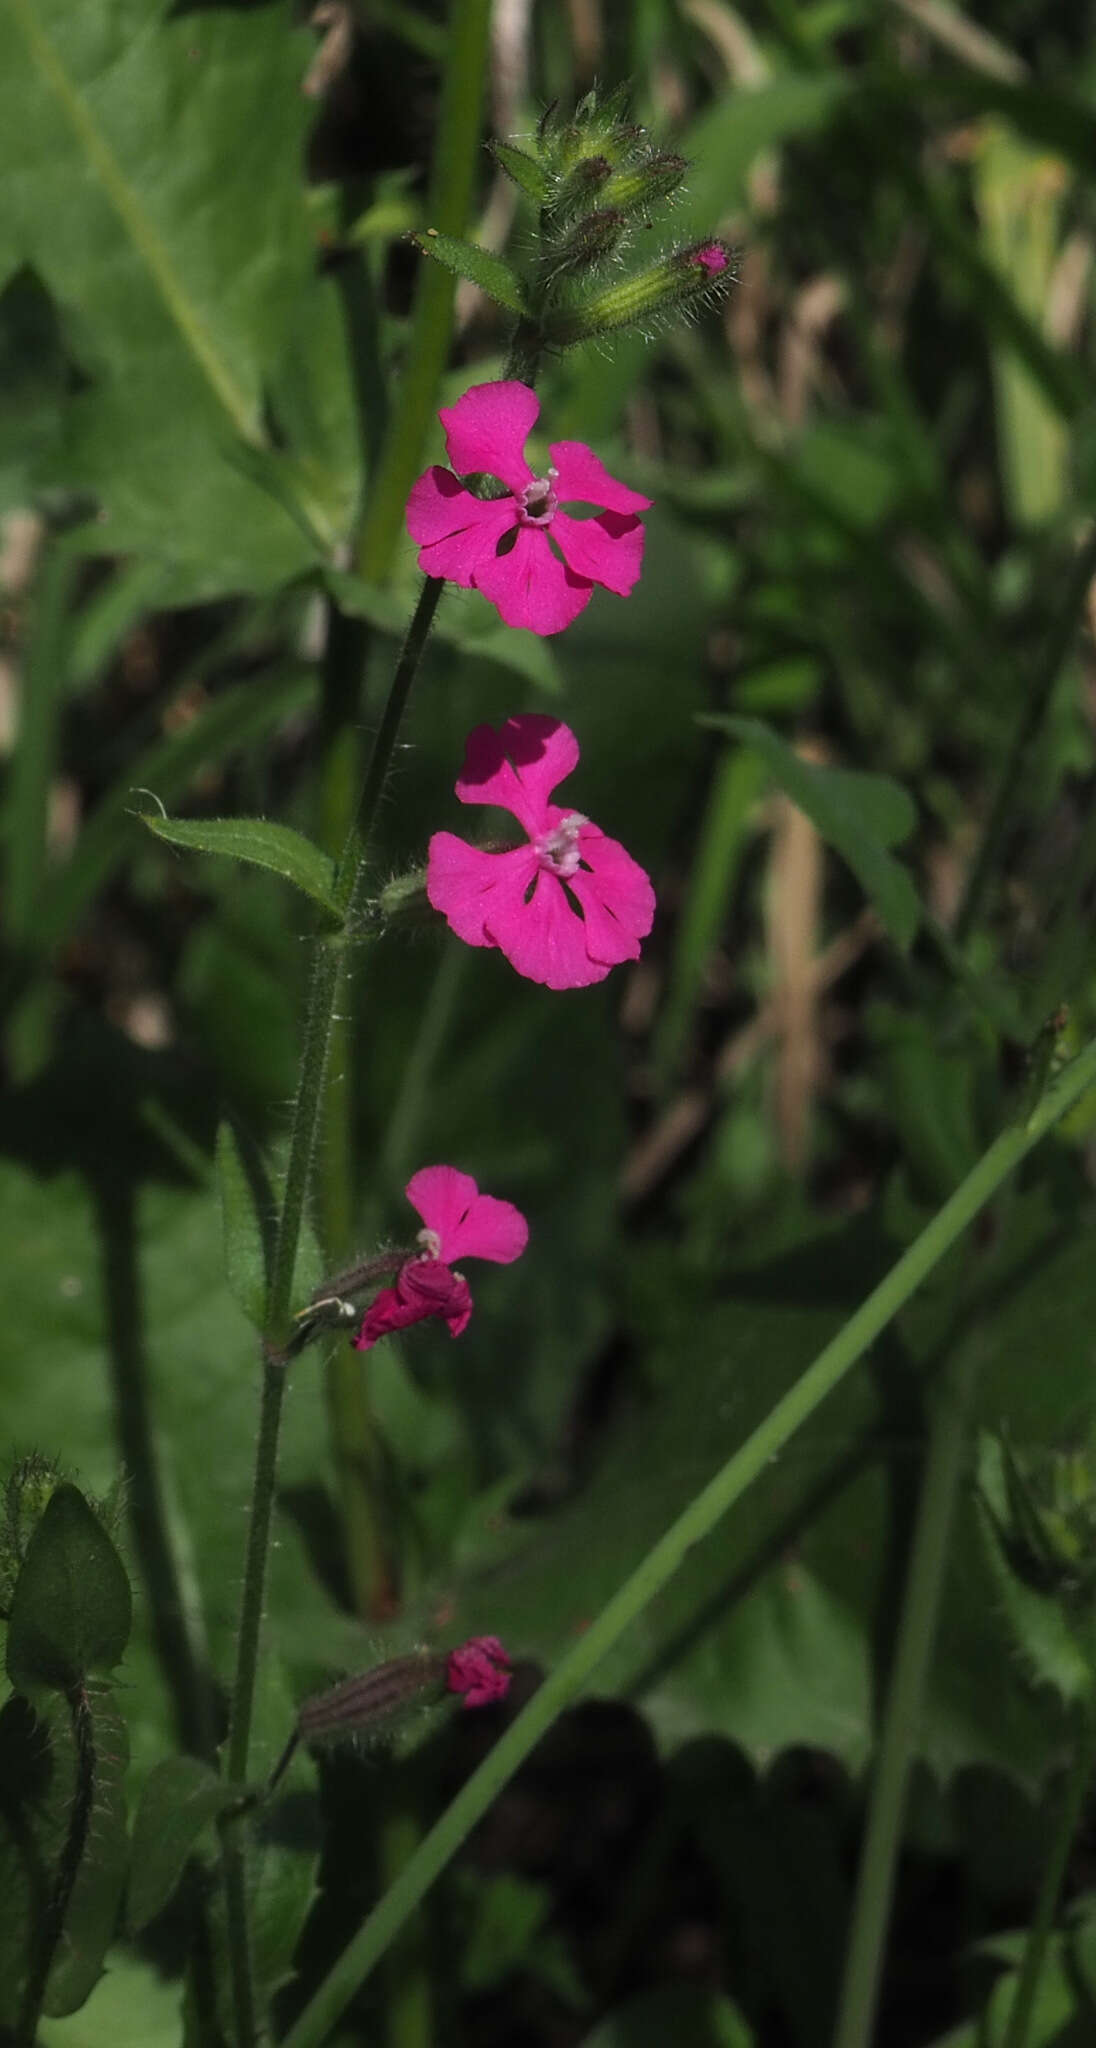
point(696, 1522)
point(943, 1471)
point(1039, 1933)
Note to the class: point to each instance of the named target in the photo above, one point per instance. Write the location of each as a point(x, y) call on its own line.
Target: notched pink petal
point(618, 881)
point(385, 1314)
point(486, 431)
point(431, 1289)
point(465, 884)
point(606, 550)
point(441, 1194)
point(580, 475)
point(530, 586)
point(518, 766)
point(456, 531)
point(545, 939)
point(490, 1229)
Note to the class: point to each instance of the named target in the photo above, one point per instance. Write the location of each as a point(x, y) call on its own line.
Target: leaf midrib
point(138, 226)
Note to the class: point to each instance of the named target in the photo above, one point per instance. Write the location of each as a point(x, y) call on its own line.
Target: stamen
point(559, 848)
point(538, 500)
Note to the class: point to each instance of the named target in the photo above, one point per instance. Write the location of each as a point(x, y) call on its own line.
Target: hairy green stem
point(917, 1629)
point(1039, 1933)
point(697, 1521)
point(350, 879)
point(328, 979)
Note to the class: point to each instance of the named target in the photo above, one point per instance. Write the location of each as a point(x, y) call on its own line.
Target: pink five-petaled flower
point(505, 547)
point(569, 904)
point(459, 1223)
point(480, 1669)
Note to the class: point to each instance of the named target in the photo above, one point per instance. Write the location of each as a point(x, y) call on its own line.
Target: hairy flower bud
point(679, 282)
point(635, 188)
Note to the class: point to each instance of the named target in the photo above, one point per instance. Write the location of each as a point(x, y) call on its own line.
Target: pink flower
point(712, 257)
point(569, 904)
point(460, 1223)
point(462, 537)
point(480, 1669)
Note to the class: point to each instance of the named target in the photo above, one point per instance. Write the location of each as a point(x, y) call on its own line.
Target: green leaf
point(464, 259)
point(262, 844)
point(183, 278)
point(38, 1785)
point(132, 2006)
point(859, 815)
point(523, 169)
point(247, 1230)
point(181, 1798)
point(72, 1608)
point(96, 1896)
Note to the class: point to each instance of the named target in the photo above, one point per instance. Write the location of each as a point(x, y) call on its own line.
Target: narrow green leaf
point(464, 259)
point(523, 169)
point(180, 1799)
point(859, 815)
point(246, 1227)
point(72, 1608)
point(277, 847)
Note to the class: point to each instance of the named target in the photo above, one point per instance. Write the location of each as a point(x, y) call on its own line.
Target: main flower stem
point(917, 1630)
point(1039, 1933)
point(328, 978)
point(696, 1522)
point(351, 879)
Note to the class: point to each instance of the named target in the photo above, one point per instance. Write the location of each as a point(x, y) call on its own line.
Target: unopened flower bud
point(681, 281)
point(371, 1701)
point(639, 186)
point(591, 239)
point(403, 900)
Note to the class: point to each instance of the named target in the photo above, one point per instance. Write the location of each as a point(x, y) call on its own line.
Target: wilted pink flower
point(569, 904)
point(506, 547)
point(480, 1669)
point(460, 1223)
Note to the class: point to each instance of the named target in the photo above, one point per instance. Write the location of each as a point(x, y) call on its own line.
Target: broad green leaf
point(264, 845)
point(859, 815)
point(246, 1229)
point(72, 1608)
point(133, 2006)
point(523, 169)
point(464, 259)
point(181, 1798)
point(180, 274)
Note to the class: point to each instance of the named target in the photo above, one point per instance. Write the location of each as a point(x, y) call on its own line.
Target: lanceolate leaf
point(523, 169)
point(464, 259)
point(859, 815)
point(264, 845)
point(72, 1607)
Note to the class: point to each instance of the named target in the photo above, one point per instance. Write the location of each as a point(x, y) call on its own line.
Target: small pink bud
point(480, 1669)
point(712, 257)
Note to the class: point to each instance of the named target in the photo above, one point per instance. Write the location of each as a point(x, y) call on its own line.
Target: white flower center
point(431, 1244)
point(538, 501)
point(559, 849)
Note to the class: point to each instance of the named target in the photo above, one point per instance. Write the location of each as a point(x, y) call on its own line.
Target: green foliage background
point(873, 474)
